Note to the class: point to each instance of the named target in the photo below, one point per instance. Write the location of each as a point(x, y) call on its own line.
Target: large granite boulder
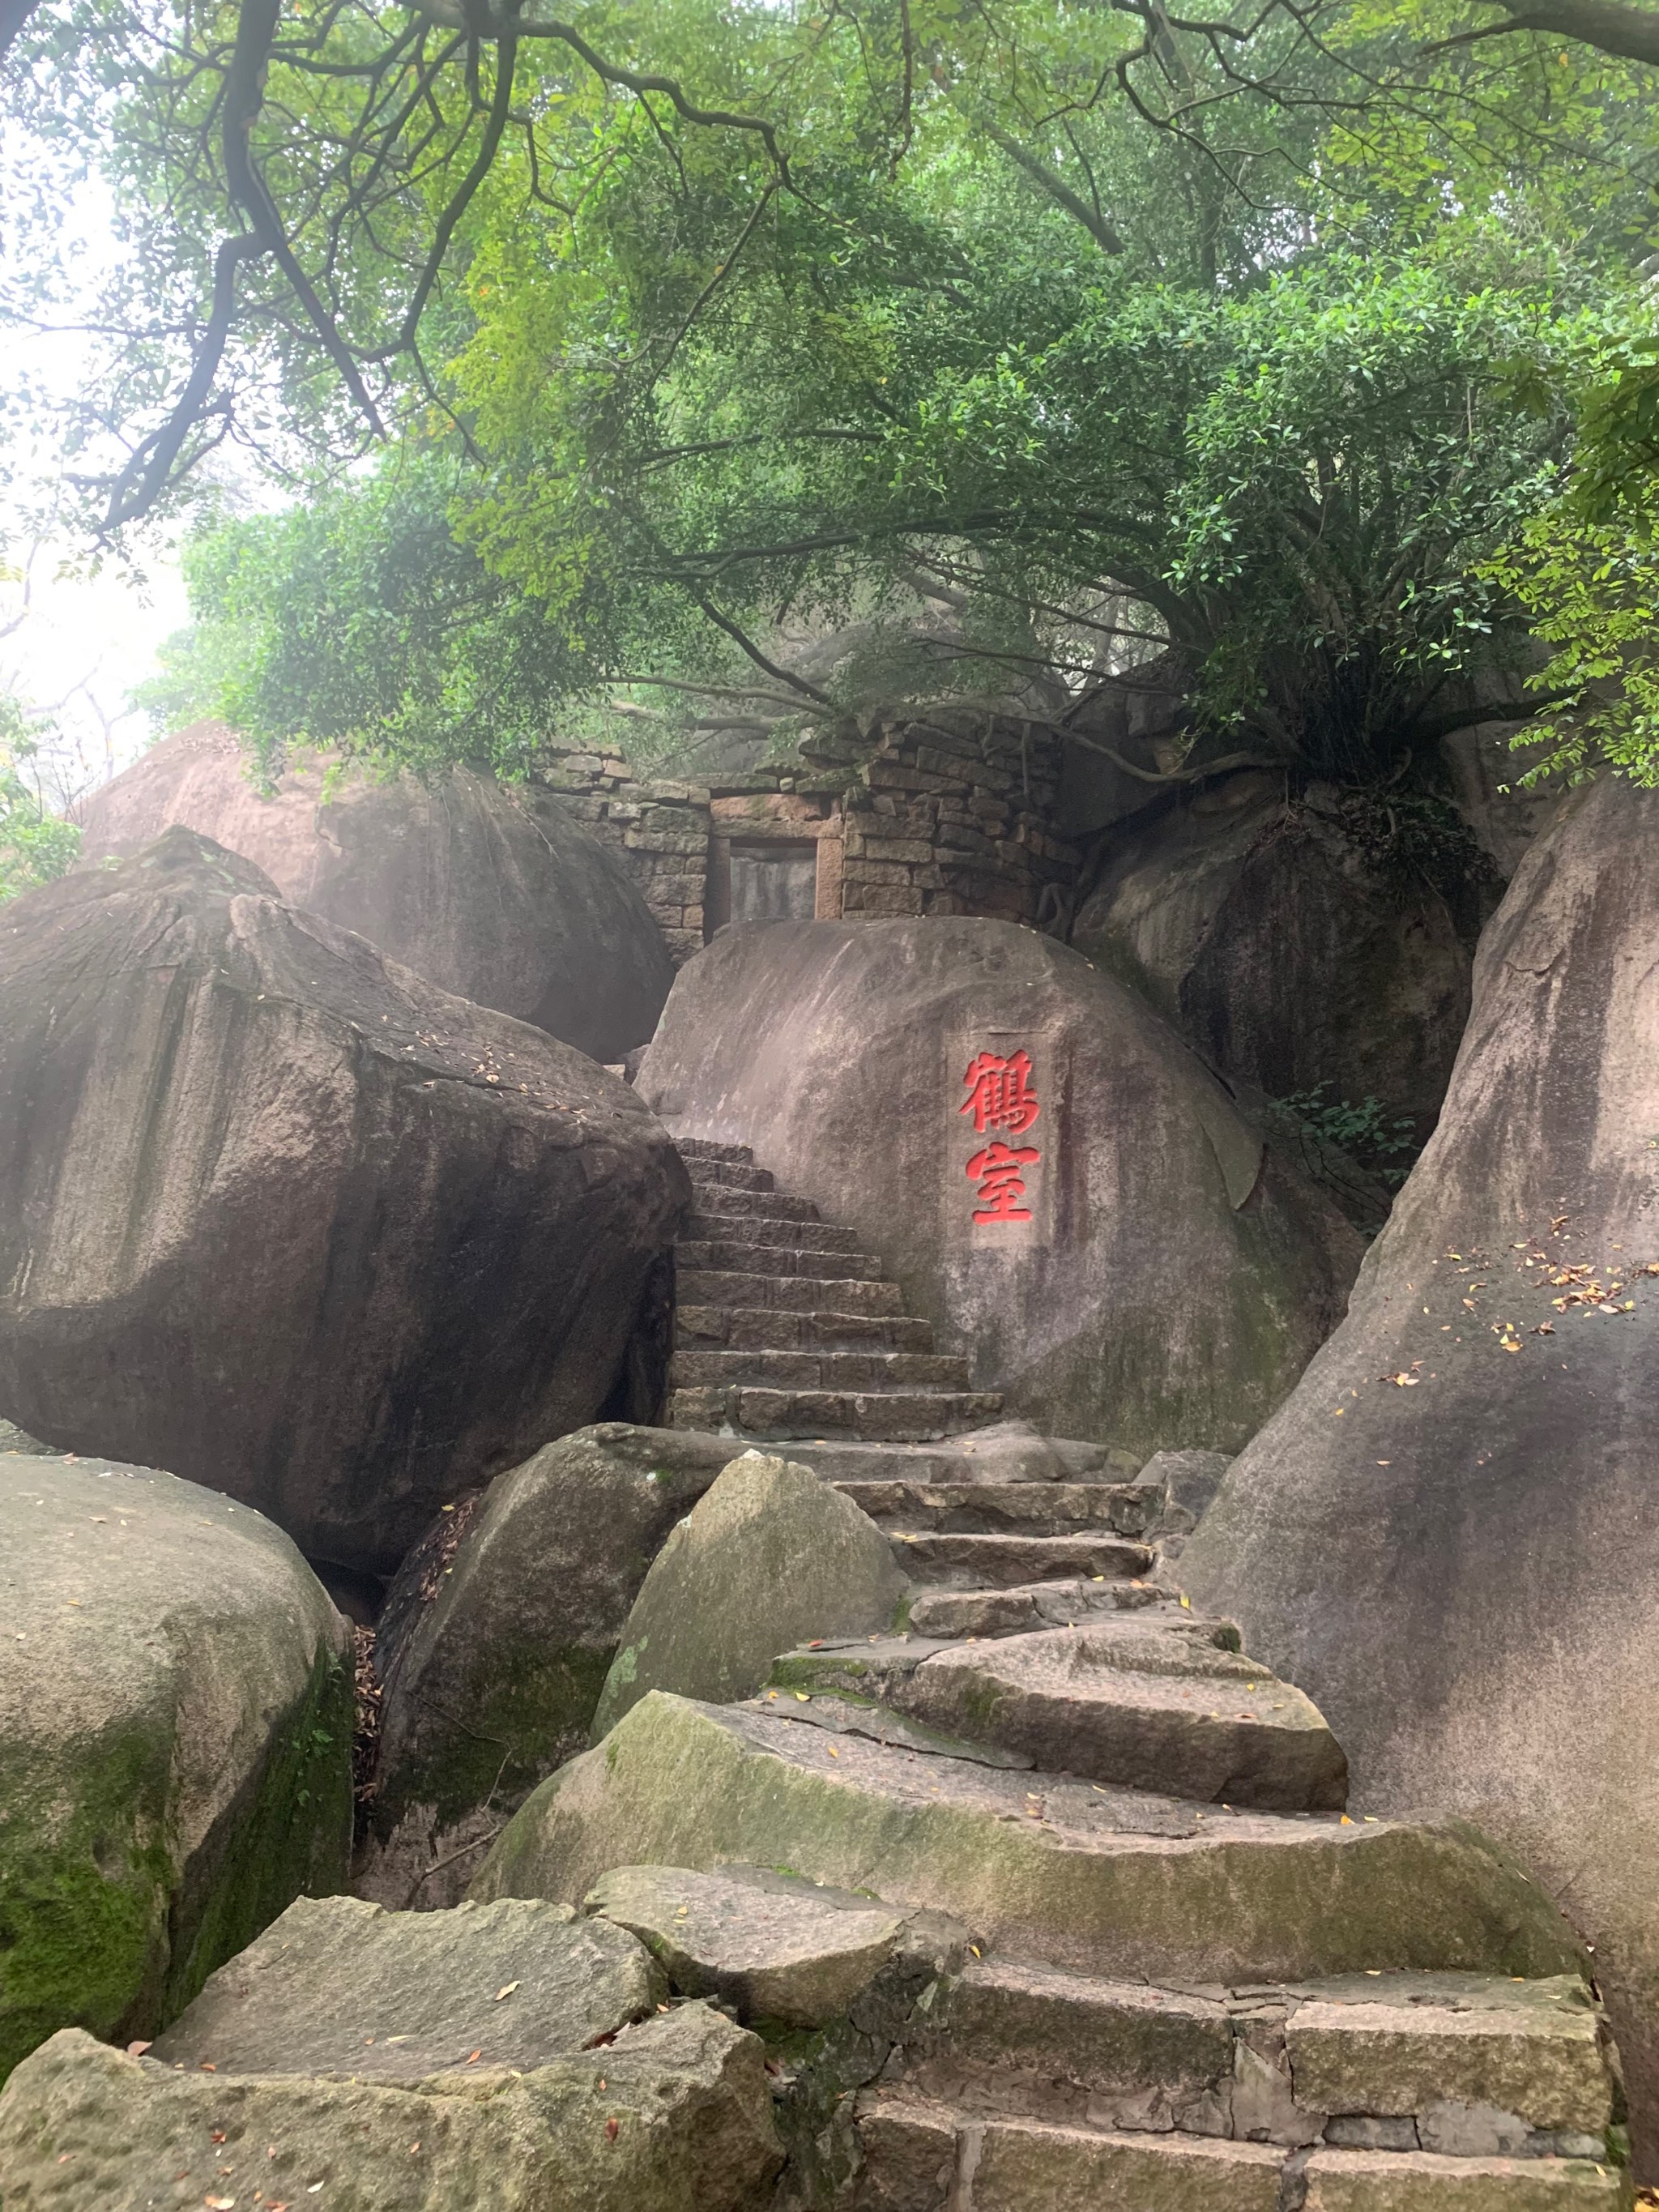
point(1448, 1536)
point(279, 1215)
point(769, 1557)
point(1056, 1181)
point(175, 1743)
point(496, 1636)
point(493, 892)
point(1290, 954)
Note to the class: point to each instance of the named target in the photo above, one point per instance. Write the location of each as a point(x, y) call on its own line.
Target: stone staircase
point(1046, 1654)
point(784, 1329)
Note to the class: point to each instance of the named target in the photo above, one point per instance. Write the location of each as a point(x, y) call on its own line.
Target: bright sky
point(74, 639)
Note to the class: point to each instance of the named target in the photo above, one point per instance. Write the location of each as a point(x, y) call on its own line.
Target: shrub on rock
point(1448, 1536)
point(497, 895)
point(279, 1215)
point(175, 1739)
point(1058, 1183)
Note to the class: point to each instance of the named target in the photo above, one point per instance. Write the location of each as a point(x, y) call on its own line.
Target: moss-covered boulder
point(1100, 1880)
point(673, 2115)
point(498, 1632)
point(769, 1557)
point(175, 1735)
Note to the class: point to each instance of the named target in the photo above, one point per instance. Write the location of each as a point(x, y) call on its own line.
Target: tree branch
point(1612, 27)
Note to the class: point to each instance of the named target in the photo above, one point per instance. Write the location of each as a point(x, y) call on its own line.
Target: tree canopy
point(618, 364)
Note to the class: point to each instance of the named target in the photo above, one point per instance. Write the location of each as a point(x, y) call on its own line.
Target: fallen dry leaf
point(506, 1990)
point(613, 2129)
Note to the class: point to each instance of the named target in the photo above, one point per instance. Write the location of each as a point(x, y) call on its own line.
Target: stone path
point(1041, 1631)
point(784, 1330)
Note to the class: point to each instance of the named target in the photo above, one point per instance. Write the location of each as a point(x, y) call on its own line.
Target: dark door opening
point(774, 882)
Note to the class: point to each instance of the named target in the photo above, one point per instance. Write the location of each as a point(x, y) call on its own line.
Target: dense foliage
point(622, 363)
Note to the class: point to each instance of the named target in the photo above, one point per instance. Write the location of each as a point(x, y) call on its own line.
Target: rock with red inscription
point(493, 892)
point(1058, 1183)
point(281, 1216)
point(1448, 1535)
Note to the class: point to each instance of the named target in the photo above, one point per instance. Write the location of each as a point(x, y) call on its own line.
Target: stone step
point(885, 1667)
point(1153, 1701)
point(778, 1416)
point(1141, 1702)
point(754, 1236)
point(955, 1613)
point(699, 1255)
point(704, 1148)
point(1459, 2063)
point(774, 1329)
point(1028, 1508)
point(726, 1175)
point(966, 1457)
point(798, 1290)
point(718, 1201)
point(780, 1370)
point(979, 1563)
point(1122, 1883)
point(921, 2157)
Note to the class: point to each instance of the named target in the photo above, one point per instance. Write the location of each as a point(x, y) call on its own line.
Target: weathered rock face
point(768, 1557)
point(1447, 1535)
point(495, 894)
point(499, 1630)
point(1272, 941)
point(175, 1732)
point(674, 2113)
point(1145, 1276)
point(279, 1215)
point(1099, 1880)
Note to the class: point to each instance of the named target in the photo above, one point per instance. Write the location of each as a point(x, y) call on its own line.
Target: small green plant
point(35, 846)
point(1387, 1147)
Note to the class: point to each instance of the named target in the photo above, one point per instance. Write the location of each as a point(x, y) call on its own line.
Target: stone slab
point(339, 1987)
point(783, 1958)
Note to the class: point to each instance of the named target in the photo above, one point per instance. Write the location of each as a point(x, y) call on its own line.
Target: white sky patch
point(76, 633)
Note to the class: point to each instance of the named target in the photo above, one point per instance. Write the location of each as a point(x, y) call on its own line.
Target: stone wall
point(953, 817)
point(946, 816)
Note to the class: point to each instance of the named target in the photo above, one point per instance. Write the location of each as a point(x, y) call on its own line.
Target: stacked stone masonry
point(914, 817)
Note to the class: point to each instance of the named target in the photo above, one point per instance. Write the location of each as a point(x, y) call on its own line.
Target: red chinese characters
point(1000, 1098)
point(999, 1093)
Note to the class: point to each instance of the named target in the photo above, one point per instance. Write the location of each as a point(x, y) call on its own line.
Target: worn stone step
point(771, 1290)
point(726, 1175)
point(1460, 2063)
point(719, 1201)
point(883, 1667)
point(1098, 1880)
point(781, 1369)
point(1029, 1509)
point(966, 1457)
point(1015, 1611)
point(704, 1148)
point(762, 1235)
point(774, 1329)
point(1141, 1702)
point(698, 1256)
point(1375, 2181)
point(1452, 2063)
point(994, 1562)
point(921, 2156)
point(779, 1416)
